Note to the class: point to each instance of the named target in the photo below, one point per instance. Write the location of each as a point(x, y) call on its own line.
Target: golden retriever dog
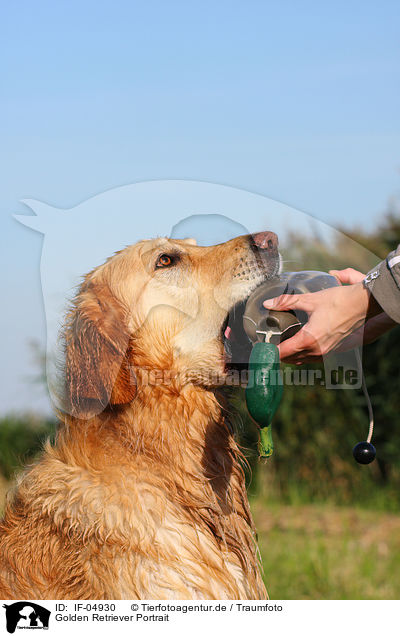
point(142, 495)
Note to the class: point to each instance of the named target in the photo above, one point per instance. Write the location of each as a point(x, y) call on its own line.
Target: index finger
point(289, 301)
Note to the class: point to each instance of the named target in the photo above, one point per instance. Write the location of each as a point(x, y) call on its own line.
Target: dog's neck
point(168, 420)
point(183, 426)
point(188, 434)
point(183, 434)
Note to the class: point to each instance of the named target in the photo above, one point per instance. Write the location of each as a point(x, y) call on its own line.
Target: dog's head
point(158, 307)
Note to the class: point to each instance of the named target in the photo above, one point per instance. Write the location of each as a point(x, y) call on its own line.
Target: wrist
point(373, 307)
point(364, 302)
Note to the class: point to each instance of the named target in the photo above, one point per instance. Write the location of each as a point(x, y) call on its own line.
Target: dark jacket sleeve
point(383, 281)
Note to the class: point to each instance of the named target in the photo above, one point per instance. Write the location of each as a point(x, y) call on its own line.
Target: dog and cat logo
point(26, 615)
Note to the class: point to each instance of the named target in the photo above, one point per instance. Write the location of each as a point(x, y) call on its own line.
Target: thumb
point(347, 276)
point(289, 301)
point(299, 347)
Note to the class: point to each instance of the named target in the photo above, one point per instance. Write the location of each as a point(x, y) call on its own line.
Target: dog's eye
point(165, 260)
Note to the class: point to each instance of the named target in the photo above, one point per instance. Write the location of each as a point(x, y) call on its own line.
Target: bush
point(21, 439)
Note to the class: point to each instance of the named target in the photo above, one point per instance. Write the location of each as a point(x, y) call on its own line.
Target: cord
point(366, 395)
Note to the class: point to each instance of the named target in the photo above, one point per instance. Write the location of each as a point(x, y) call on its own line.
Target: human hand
point(373, 328)
point(334, 315)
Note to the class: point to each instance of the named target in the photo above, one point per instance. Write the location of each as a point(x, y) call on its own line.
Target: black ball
point(364, 452)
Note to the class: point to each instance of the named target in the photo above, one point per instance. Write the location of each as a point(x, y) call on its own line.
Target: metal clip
point(268, 334)
point(371, 276)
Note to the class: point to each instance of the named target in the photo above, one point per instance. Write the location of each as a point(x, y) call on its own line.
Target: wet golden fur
point(142, 495)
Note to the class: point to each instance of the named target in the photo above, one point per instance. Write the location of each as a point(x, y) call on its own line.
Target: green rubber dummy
point(264, 391)
point(265, 444)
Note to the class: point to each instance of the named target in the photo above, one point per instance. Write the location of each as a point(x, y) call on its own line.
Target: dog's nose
point(265, 240)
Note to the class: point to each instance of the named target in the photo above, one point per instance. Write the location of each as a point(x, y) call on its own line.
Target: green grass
point(327, 552)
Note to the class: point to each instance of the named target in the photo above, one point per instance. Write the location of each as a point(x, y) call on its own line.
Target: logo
point(26, 615)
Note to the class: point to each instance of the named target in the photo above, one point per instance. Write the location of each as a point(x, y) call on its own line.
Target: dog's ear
point(97, 352)
point(190, 241)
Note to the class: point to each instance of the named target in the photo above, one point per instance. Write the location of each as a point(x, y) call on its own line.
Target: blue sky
point(298, 101)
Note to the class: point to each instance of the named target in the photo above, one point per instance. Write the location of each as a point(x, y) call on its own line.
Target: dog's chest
point(158, 548)
point(161, 551)
point(142, 539)
point(168, 557)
